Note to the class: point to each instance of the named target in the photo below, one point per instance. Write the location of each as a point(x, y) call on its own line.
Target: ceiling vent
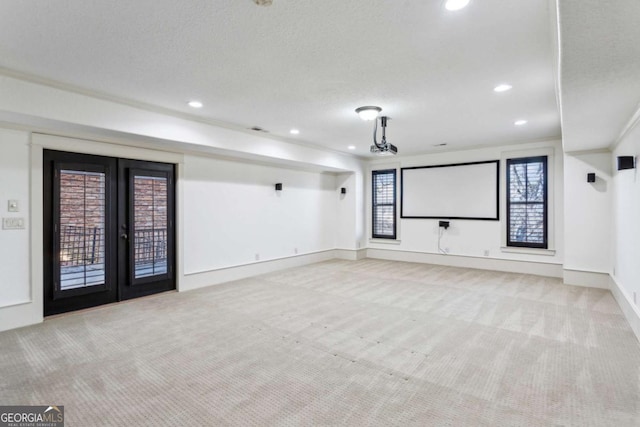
point(263, 2)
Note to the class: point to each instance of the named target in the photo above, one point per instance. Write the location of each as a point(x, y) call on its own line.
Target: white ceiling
point(308, 64)
point(600, 70)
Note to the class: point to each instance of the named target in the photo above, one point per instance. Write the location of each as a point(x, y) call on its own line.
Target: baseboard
point(351, 254)
point(511, 266)
point(589, 279)
point(629, 309)
point(228, 274)
point(19, 315)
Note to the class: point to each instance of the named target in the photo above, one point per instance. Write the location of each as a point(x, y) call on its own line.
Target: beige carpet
point(338, 343)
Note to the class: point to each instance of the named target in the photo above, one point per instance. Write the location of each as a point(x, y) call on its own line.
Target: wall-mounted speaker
point(626, 162)
point(343, 190)
point(279, 186)
point(591, 177)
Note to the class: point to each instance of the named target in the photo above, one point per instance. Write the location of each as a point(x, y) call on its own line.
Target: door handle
point(124, 236)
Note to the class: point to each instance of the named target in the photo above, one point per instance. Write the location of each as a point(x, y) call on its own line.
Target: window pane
point(82, 222)
point(518, 182)
point(535, 182)
point(383, 221)
point(150, 225)
point(385, 186)
point(527, 223)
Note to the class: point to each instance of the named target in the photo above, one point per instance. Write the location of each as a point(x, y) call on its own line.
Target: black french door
point(109, 230)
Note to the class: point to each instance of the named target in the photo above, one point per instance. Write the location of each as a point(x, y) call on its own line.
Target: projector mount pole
point(383, 142)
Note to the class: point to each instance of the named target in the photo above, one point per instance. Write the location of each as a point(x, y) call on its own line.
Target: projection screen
point(456, 191)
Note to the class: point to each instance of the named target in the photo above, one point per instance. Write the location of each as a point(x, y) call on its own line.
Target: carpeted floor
point(338, 343)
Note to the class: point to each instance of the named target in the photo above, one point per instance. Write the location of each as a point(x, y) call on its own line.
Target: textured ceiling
point(600, 70)
point(306, 64)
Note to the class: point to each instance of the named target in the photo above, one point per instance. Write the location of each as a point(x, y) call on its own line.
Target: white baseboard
point(511, 266)
point(351, 254)
point(629, 309)
point(228, 274)
point(19, 315)
point(589, 279)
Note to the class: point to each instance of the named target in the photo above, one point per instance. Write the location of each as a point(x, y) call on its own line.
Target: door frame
point(56, 302)
point(130, 287)
point(33, 308)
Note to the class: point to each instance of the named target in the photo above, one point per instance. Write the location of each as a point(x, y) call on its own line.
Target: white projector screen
point(458, 191)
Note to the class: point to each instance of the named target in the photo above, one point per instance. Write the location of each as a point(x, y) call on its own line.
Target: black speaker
point(626, 162)
point(279, 186)
point(343, 190)
point(443, 224)
point(591, 177)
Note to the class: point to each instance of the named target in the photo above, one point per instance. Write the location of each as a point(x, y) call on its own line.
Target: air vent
point(258, 129)
point(440, 145)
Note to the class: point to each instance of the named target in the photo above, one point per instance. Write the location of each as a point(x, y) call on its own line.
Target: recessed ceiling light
point(520, 122)
point(502, 87)
point(351, 147)
point(195, 104)
point(294, 131)
point(454, 5)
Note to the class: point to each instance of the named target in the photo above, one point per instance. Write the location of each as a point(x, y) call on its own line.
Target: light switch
point(12, 223)
point(13, 206)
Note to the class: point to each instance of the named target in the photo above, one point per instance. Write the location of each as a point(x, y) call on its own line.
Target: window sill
point(528, 251)
point(385, 241)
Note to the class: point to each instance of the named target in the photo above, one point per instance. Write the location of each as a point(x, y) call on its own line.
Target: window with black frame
point(527, 202)
point(384, 204)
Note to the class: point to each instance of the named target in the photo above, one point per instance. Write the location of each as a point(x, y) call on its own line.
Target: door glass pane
point(81, 234)
point(150, 225)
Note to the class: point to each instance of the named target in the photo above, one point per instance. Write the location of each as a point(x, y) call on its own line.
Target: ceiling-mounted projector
point(384, 150)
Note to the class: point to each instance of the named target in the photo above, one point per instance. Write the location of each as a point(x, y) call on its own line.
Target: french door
point(109, 230)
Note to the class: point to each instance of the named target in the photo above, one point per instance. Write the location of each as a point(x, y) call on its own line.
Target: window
point(527, 202)
point(384, 204)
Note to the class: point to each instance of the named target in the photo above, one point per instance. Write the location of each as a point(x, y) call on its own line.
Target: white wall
point(15, 289)
point(228, 211)
point(234, 216)
point(469, 238)
point(626, 222)
point(625, 283)
point(587, 210)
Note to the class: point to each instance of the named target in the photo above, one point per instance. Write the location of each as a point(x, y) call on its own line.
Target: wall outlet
point(13, 223)
point(295, 250)
point(486, 252)
point(257, 257)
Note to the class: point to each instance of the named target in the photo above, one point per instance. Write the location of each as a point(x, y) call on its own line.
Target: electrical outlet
point(295, 250)
point(486, 252)
point(257, 257)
